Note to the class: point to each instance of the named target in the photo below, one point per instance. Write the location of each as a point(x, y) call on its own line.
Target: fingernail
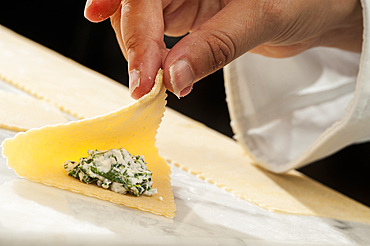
point(186, 91)
point(88, 3)
point(134, 80)
point(181, 77)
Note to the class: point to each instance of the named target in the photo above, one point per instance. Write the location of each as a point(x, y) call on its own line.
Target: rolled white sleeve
point(289, 112)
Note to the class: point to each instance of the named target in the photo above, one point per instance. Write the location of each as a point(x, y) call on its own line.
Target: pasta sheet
point(39, 154)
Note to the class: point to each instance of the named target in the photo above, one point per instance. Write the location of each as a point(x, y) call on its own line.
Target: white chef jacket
point(289, 112)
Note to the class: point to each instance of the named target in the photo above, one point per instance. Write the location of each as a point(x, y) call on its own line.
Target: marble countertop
point(35, 214)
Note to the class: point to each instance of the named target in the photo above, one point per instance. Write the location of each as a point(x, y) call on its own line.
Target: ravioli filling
point(114, 169)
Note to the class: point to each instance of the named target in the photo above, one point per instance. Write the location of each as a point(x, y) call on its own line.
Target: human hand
point(219, 32)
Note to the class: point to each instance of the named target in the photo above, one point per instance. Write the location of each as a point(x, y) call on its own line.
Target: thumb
point(227, 35)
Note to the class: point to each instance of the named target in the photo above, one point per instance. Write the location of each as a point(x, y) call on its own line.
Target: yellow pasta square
point(38, 154)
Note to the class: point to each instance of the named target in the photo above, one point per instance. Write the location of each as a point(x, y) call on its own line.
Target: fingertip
point(136, 95)
point(140, 83)
point(186, 91)
point(92, 12)
point(100, 10)
point(167, 78)
point(178, 77)
point(143, 89)
point(144, 61)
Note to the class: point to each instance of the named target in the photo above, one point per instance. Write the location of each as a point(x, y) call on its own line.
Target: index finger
point(141, 33)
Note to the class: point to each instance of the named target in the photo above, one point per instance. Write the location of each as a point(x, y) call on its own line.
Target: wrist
point(347, 33)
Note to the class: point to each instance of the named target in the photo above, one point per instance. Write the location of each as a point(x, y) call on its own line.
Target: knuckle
point(131, 42)
point(139, 42)
point(275, 11)
point(222, 48)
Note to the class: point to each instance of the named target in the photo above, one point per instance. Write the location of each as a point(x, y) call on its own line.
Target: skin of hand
point(220, 31)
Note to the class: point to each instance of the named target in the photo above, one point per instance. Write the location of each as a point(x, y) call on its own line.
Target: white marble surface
point(34, 214)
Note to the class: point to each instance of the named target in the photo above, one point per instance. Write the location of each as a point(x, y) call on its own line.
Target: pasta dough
point(56, 79)
point(214, 157)
point(39, 154)
point(17, 112)
point(221, 161)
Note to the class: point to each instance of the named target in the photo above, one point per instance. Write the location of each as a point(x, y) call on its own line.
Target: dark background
point(61, 26)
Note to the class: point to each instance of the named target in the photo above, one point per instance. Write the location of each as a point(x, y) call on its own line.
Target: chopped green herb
point(114, 169)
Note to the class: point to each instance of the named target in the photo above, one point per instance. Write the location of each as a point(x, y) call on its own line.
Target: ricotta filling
point(114, 169)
